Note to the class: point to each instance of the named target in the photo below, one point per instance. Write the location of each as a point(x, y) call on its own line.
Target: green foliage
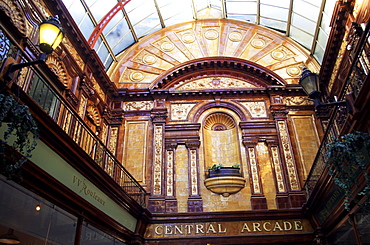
point(236, 166)
point(216, 167)
point(348, 156)
point(23, 129)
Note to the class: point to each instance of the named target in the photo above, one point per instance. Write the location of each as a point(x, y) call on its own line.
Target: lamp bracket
point(345, 103)
point(13, 67)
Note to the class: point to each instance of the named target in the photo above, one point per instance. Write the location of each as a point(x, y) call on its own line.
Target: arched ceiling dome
point(112, 26)
point(251, 51)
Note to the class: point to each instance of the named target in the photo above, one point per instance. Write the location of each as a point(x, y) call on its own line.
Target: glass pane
point(362, 221)
point(123, 43)
point(86, 27)
point(277, 25)
point(248, 18)
point(306, 9)
point(93, 236)
point(241, 7)
point(272, 12)
point(325, 22)
point(175, 12)
point(322, 38)
point(100, 8)
point(303, 23)
point(344, 235)
point(216, 4)
point(143, 16)
point(280, 3)
point(76, 10)
point(103, 52)
point(319, 53)
point(49, 225)
point(199, 4)
point(301, 37)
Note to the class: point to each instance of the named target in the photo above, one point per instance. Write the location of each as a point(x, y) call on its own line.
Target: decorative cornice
point(217, 66)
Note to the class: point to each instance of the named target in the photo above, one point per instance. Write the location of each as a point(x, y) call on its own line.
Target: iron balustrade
point(50, 100)
point(358, 74)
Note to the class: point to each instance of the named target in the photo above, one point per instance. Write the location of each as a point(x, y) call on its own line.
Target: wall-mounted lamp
point(51, 34)
point(310, 83)
point(9, 238)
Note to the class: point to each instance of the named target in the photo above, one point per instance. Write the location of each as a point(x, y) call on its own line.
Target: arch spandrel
point(142, 65)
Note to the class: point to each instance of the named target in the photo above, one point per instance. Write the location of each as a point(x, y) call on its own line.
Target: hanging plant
point(348, 156)
point(19, 138)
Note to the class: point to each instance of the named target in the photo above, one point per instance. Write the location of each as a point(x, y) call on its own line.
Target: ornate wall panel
point(307, 140)
point(180, 111)
point(135, 148)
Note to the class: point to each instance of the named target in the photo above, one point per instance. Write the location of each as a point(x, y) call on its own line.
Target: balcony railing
point(47, 97)
point(358, 75)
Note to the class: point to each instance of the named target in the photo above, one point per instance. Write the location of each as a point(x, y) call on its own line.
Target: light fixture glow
point(9, 238)
point(51, 34)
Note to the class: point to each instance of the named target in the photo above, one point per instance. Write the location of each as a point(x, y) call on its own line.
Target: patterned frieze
point(180, 111)
point(297, 100)
point(193, 172)
point(288, 155)
point(157, 172)
point(279, 175)
point(214, 83)
point(138, 105)
point(253, 163)
point(257, 109)
point(170, 172)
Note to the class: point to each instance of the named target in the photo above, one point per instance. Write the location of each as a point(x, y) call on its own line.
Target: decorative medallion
point(167, 46)
point(293, 71)
point(149, 59)
point(137, 76)
point(188, 38)
point(211, 34)
point(278, 54)
point(235, 36)
point(258, 43)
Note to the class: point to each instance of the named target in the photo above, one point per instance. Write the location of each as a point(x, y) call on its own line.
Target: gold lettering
point(167, 230)
point(245, 227)
point(211, 228)
point(199, 229)
point(298, 225)
point(277, 226)
point(256, 226)
point(287, 226)
point(264, 226)
point(220, 230)
point(189, 227)
point(177, 229)
point(156, 230)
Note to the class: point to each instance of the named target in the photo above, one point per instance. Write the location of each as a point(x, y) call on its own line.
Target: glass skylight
point(306, 21)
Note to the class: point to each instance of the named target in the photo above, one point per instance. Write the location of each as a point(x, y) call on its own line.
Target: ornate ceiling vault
point(186, 52)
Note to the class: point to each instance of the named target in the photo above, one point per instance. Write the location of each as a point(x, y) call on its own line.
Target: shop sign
point(228, 228)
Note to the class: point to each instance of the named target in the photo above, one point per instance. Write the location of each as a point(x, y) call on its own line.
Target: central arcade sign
point(228, 228)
